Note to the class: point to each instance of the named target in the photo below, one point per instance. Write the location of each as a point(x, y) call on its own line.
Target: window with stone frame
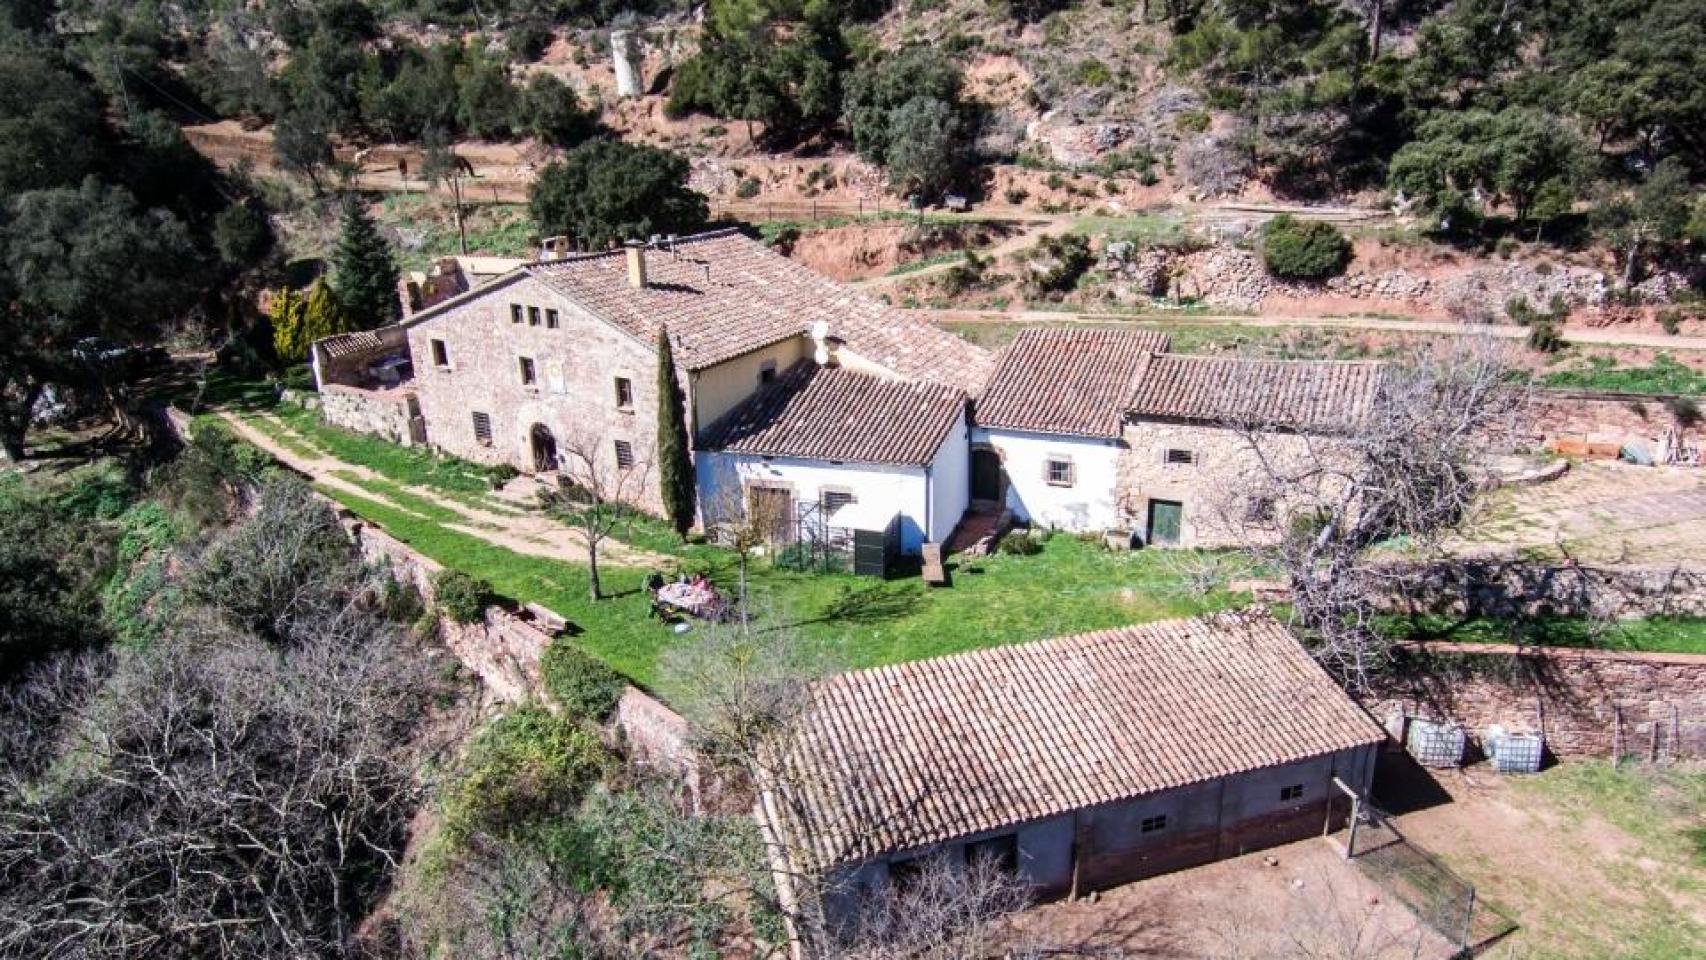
point(1179, 457)
point(440, 354)
point(482, 428)
point(552, 320)
point(1059, 472)
point(624, 393)
point(515, 313)
point(529, 376)
point(533, 316)
point(624, 455)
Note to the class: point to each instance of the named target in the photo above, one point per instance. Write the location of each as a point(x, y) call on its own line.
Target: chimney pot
point(636, 265)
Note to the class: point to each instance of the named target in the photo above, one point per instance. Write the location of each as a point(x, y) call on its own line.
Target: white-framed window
point(624, 393)
point(529, 375)
point(1154, 824)
point(1178, 456)
point(1293, 792)
point(624, 455)
point(1059, 472)
point(482, 428)
point(440, 354)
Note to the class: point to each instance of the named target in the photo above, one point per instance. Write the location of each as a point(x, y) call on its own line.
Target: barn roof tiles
point(722, 294)
point(829, 413)
point(1282, 393)
point(901, 757)
point(1067, 381)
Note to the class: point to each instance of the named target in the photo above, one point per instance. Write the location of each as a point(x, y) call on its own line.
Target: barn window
point(834, 500)
point(529, 376)
point(624, 393)
point(1058, 472)
point(533, 316)
point(483, 428)
point(624, 454)
point(551, 319)
point(1153, 824)
point(440, 354)
point(1293, 792)
point(1175, 455)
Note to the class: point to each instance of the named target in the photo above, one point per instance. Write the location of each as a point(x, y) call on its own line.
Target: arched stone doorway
point(544, 448)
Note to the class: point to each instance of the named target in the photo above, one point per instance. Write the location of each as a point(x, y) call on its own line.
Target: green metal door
point(1165, 519)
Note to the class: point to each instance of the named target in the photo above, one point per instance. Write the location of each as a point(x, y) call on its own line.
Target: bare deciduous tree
point(1318, 501)
point(743, 523)
point(946, 910)
point(605, 486)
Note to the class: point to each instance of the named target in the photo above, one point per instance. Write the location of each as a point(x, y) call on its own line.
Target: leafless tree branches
point(606, 488)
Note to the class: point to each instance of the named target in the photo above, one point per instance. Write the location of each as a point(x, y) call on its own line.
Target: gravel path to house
point(524, 531)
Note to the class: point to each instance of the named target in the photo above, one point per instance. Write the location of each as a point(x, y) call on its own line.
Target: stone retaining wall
point(1577, 415)
point(1586, 703)
point(1516, 588)
point(383, 413)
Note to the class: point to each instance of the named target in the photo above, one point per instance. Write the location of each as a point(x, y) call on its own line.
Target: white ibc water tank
point(1513, 752)
point(1435, 743)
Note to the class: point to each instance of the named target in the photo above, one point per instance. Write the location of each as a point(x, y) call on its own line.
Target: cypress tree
point(287, 318)
point(364, 272)
point(675, 465)
point(323, 315)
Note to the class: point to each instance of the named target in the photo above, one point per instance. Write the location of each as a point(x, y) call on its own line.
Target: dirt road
point(1579, 335)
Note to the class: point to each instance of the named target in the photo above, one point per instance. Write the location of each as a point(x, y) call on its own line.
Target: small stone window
point(533, 316)
point(624, 393)
point(834, 500)
point(515, 313)
point(1177, 456)
point(624, 455)
point(483, 429)
point(552, 321)
point(440, 354)
point(1059, 472)
point(1154, 824)
point(529, 376)
point(1293, 792)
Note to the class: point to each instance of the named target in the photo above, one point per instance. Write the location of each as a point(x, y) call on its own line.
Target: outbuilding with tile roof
point(1082, 762)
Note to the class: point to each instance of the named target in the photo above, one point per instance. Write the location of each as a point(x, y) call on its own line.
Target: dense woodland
point(217, 728)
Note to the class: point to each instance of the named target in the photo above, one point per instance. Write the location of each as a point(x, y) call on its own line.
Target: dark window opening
point(528, 376)
point(624, 454)
point(533, 316)
point(1153, 824)
point(624, 393)
point(1181, 456)
point(767, 372)
point(551, 319)
point(1002, 850)
point(1259, 509)
point(1293, 792)
point(515, 313)
point(440, 355)
point(483, 429)
point(834, 500)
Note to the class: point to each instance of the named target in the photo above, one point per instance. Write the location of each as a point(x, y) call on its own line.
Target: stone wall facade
point(391, 414)
point(1501, 588)
point(573, 399)
point(1586, 703)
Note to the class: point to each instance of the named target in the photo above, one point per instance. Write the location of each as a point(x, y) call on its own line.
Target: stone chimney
point(636, 264)
point(825, 344)
point(553, 248)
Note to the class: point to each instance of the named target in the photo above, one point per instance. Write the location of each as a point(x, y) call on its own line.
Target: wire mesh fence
point(1436, 894)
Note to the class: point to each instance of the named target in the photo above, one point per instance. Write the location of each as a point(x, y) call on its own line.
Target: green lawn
point(1665, 375)
point(1658, 634)
point(1071, 586)
point(416, 466)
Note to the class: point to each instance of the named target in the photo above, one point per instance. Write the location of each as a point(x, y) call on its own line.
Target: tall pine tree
point(675, 464)
point(364, 272)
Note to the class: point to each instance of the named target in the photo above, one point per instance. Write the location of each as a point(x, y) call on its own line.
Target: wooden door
point(773, 509)
point(1166, 518)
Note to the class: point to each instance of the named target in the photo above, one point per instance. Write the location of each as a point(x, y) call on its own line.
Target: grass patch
point(282, 435)
point(913, 266)
point(1652, 635)
point(1144, 229)
point(1071, 586)
point(408, 500)
point(1665, 375)
point(412, 466)
point(428, 226)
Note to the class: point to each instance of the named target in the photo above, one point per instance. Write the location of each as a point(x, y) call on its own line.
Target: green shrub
point(1685, 409)
point(584, 687)
point(1021, 543)
point(1295, 249)
point(748, 188)
point(524, 767)
point(1192, 121)
point(1670, 321)
point(1016, 195)
point(461, 597)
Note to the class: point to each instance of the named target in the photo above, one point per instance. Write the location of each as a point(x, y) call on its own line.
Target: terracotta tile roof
point(1071, 381)
point(723, 294)
point(350, 344)
point(827, 413)
point(901, 757)
point(1289, 393)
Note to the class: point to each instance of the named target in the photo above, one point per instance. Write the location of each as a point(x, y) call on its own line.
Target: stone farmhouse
point(1081, 762)
point(825, 407)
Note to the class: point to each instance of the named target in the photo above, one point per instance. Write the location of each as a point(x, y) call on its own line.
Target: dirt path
point(1023, 240)
point(1577, 335)
point(530, 532)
